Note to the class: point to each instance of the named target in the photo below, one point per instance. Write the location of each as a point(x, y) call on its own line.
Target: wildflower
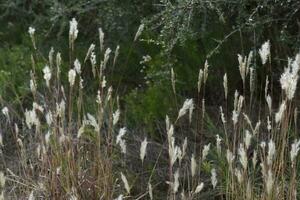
point(125, 182)
point(243, 156)
point(143, 149)
point(47, 75)
point(271, 152)
point(205, 151)
point(31, 31)
point(264, 52)
point(73, 32)
point(294, 151)
point(139, 32)
point(199, 188)
point(193, 165)
point(214, 180)
point(77, 66)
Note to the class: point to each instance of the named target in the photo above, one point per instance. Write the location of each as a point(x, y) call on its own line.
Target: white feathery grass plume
point(125, 182)
point(222, 116)
point(31, 196)
point(236, 98)
point(263, 145)
point(150, 189)
point(193, 165)
point(93, 122)
point(225, 85)
point(249, 59)
point(173, 80)
point(5, 112)
point(101, 39)
point(116, 54)
point(246, 117)
point(81, 130)
point(1, 139)
point(230, 157)
point(200, 77)
point(60, 108)
point(2, 179)
point(120, 197)
point(49, 118)
point(247, 139)
point(31, 118)
point(106, 57)
point(50, 56)
point(254, 159)
point(73, 32)
point(280, 114)
point(170, 133)
point(264, 52)
point(184, 147)
point(243, 156)
point(47, 75)
point(269, 182)
point(122, 132)
point(238, 175)
point(203, 108)
point(240, 103)
point(235, 116)
point(269, 102)
point(271, 152)
point(38, 107)
point(205, 151)
point(205, 73)
point(218, 144)
point(243, 67)
point(187, 105)
point(71, 77)
point(77, 66)
point(116, 116)
point(89, 52)
point(58, 62)
point(173, 152)
point(143, 149)
point(269, 124)
point(266, 86)
point(2, 195)
point(214, 180)
point(256, 129)
point(167, 123)
point(294, 151)
point(252, 80)
point(93, 62)
point(32, 86)
point(176, 181)
point(47, 137)
point(199, 188)
point(139, 32)
point(123, 146)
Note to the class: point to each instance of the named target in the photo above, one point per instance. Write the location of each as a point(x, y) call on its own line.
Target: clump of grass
point(70, 153)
